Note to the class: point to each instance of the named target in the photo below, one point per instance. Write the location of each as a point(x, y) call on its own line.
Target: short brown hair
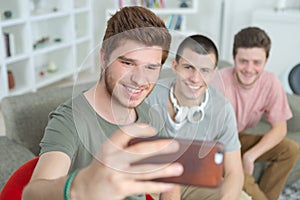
point(252, 37)
point(199, 44)
point(138, 24)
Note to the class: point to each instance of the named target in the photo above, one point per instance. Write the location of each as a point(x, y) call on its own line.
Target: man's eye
point(257, 62)
point(126, 62)
point(204, 70)
point(188, 67)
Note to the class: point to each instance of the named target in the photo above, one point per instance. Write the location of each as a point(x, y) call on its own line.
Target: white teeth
point(133, 90)
point(194, 87)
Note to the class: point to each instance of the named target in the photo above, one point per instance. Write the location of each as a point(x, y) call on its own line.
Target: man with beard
point(77, 160)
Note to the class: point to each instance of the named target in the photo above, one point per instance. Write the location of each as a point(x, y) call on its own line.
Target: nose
point(196, 76)
point(138, 75)
point(249, 67)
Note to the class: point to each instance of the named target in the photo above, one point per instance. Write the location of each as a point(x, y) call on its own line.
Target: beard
point(116, 95)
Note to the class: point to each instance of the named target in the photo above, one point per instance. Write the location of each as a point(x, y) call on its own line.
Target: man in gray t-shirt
point(192, 109)
point(85, 152)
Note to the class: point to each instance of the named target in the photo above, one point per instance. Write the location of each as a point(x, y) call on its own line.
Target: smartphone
point(203, 161)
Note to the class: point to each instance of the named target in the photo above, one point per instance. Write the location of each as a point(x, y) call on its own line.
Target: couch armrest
point(293, 124)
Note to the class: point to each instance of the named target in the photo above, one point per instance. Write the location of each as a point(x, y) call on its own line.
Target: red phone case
point(203, 161)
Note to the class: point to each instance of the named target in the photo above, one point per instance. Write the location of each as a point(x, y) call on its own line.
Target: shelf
point(51, 78)
point(44, 43)
point(21, 71)
point(81, 10)
point(12, 22)
point(50, 48)
point(62, 60)
point(17, 45)
point(171, 12)
point(17, 58)
point(48, 16)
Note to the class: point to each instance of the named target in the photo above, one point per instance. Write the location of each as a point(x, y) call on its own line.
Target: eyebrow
point(124, 58)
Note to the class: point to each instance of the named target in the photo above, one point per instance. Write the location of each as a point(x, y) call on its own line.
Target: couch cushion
point(12, 156)
point(294, 123)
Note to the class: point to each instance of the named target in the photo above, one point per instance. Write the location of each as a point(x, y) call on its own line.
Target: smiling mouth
point(134, 90)
point(194, 87)
point(248, 75)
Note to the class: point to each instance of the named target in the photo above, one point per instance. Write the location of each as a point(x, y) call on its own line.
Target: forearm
point(268, 141)
point(231, 187)
point(45, 189)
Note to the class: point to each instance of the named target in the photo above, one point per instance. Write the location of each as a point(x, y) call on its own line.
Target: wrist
point(68, 185)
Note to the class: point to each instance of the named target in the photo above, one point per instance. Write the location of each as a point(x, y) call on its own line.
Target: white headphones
point(193, 114)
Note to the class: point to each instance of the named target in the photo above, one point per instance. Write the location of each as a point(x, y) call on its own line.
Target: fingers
point(141, 183)
point(121, 137)
point(149, 172)
point(143, 150)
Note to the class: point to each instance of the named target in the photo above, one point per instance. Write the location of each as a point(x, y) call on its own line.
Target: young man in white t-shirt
point(254, 93)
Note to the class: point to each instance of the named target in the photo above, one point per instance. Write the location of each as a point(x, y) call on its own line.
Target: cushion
point(294, 122)
point(12, 156)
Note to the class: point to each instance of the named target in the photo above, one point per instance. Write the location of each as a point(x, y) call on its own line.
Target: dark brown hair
point(252, 37)
point(137, 24)
point(199, 44)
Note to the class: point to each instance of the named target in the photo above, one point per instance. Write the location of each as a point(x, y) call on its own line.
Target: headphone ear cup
point(181, 114)
point(195, 114)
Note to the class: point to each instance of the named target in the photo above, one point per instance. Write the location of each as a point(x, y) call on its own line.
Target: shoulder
point(269, 76)
point(270, 81)
point(160, 90)
point(226, 71)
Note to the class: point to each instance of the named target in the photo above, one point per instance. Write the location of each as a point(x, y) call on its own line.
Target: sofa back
point(26, 116)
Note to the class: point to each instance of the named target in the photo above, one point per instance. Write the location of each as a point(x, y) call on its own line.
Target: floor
point(85, 76)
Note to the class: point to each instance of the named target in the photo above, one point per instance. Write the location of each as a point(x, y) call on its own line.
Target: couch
point(25, 117)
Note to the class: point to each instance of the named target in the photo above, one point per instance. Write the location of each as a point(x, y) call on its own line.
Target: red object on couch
point(148, 197)
point(13, 188)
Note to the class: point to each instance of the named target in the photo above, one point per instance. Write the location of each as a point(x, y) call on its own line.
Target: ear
point(174, 66)
point(266, 60)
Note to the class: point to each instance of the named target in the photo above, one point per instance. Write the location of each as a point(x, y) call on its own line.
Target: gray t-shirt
point(77, 130)
point(218, 124)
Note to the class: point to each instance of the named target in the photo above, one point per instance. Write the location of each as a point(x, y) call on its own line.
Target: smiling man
point(254, 92)
point(192, 108)
point(84, 151)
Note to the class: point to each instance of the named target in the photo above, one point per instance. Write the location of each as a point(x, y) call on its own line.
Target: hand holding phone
point(203, 161)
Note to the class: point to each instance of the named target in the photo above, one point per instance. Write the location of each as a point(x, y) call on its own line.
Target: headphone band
point(184, 112)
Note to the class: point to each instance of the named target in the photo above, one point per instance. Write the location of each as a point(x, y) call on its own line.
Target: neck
point(108, 108)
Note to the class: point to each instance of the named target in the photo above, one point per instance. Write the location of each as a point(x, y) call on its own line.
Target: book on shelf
point(145, 3)
point(174, 22)
point(9, 42)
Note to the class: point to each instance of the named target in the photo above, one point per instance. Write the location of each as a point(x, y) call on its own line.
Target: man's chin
point(134, 103)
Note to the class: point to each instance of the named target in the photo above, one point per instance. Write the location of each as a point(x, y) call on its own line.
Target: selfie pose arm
point(99, 180)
